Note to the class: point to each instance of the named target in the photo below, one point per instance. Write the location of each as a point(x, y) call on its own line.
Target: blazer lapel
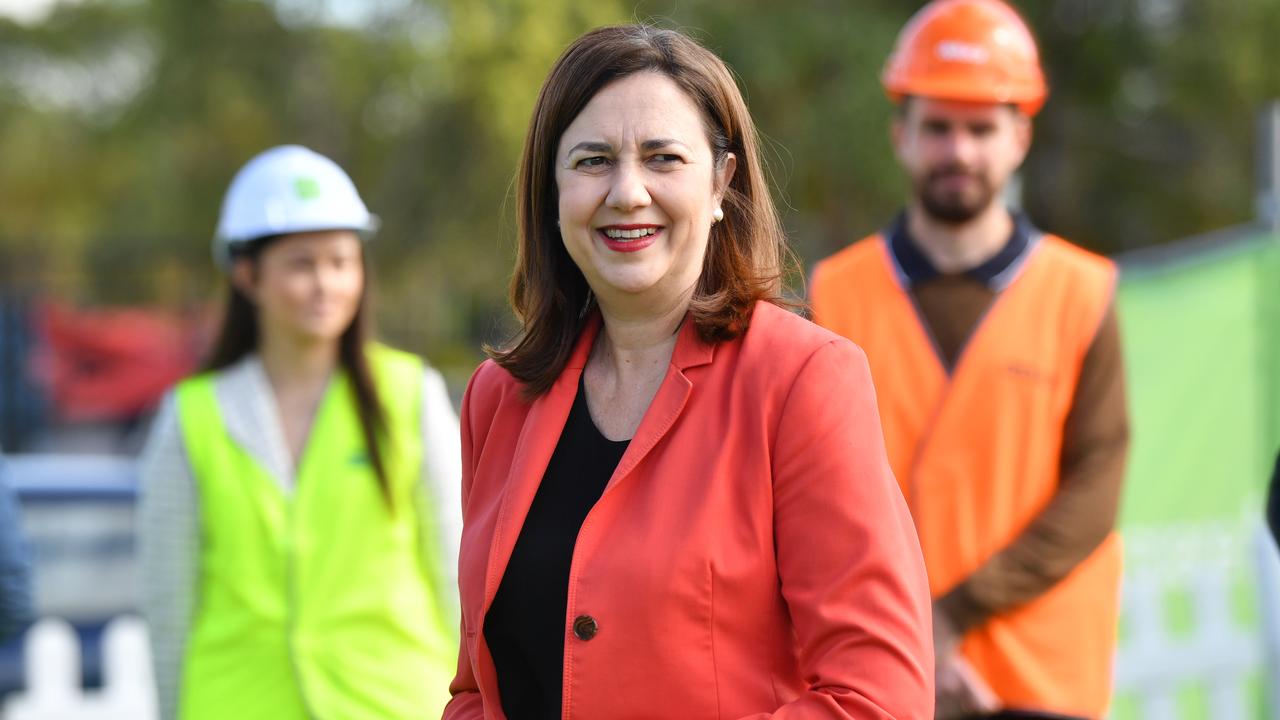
point(545, 422)
point(537, 442)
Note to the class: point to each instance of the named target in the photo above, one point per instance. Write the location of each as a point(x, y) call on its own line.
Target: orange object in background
point(967, 50)
point(112, 364)
point(977, 451)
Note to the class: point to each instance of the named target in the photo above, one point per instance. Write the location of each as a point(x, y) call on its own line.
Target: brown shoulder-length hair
point(239, 336)
point(746, 251)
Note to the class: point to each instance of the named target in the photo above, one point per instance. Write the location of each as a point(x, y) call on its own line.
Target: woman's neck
point(628, 363)
point(292, 364)
point(635, 341)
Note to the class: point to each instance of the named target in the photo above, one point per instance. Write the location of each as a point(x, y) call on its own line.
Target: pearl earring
point(717, 214)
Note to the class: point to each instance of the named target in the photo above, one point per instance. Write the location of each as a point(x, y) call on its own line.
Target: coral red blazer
point(751, 557)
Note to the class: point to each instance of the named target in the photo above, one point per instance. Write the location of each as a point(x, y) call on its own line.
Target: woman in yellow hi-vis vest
point(298, 520)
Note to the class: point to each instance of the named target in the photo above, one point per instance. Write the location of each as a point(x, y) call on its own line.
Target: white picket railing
point(52, 668)
point(1216, 652)
point(1268, 561)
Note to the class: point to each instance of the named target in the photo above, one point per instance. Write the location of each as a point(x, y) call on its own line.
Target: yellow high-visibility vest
point(317, 603)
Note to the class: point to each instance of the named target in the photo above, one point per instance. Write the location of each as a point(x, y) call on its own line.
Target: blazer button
point(585, 627)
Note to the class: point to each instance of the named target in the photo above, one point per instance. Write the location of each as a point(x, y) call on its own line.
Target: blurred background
point(123, 121)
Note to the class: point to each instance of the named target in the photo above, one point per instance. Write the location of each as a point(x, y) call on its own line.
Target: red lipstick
point(630, 238)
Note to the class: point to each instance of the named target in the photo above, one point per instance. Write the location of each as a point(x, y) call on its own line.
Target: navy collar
point(914, 266)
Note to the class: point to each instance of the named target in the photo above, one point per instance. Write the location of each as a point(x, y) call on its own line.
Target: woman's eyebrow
point(659, 143)
point(604, 147)
point(591, 146)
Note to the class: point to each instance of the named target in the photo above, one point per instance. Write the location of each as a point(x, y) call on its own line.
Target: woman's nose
point(628, 191)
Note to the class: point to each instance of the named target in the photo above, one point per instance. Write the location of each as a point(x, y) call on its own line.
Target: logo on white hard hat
point(306, 188)
point(962, 52)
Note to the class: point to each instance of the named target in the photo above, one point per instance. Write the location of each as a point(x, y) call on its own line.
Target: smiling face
point(638, 185)
point(959, 155)
point(306, 286)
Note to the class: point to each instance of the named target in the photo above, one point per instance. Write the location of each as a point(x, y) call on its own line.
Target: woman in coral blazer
point(676, 497)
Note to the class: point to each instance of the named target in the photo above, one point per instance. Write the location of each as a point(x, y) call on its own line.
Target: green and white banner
point(1202, 349)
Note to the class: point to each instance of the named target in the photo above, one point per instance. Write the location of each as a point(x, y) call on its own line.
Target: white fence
point(1217, 653)
point(52, 668)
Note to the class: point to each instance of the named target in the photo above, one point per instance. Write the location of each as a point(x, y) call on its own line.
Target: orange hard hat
point(971, 50)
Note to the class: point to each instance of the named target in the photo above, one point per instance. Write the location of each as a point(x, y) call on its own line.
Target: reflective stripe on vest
point(316, 603)
point(977, 453)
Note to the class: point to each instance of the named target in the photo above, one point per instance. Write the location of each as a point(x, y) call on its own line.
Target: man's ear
point(1022, 129)
point(897, 132)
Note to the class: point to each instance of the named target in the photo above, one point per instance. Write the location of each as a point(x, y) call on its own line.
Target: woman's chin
point(624, 284)
point(319, 332)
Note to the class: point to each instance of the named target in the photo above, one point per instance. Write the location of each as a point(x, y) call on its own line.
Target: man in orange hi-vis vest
point(996, 358)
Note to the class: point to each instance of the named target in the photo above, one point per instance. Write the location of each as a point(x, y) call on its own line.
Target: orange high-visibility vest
point(977, 451)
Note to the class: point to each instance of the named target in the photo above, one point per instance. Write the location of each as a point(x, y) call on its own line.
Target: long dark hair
point(239, 337)
point(746, 253)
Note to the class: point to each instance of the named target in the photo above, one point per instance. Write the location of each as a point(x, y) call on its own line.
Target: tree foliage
point(123, 122)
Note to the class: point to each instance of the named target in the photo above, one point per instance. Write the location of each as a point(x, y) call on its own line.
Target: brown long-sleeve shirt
point(1095, 435)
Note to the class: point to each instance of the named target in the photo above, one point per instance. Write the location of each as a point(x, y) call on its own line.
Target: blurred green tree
point(123, 122)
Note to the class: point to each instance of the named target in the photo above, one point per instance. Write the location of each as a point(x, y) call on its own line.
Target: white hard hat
point(288, 189)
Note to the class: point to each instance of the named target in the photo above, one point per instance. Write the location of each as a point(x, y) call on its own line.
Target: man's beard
point(950, 207)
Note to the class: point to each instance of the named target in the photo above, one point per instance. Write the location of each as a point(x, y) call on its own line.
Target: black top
point(525, 627)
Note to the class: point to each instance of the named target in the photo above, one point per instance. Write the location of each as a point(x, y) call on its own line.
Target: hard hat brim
point(225, 248)
point(1028, 103)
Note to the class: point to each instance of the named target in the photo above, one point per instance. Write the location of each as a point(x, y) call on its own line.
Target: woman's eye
point(664, 161)
point(595, 161)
